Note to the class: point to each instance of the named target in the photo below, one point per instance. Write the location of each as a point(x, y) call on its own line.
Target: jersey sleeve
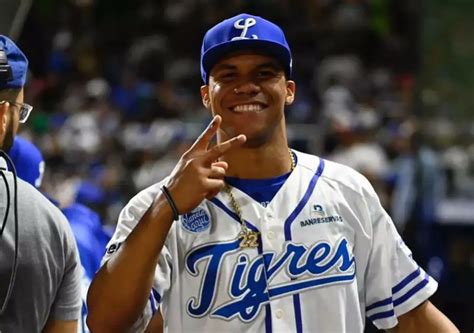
point(67, 304)
point(128, 219)
point(395, 284)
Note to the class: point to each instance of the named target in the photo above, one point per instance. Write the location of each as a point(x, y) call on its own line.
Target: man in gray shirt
point(40, 273)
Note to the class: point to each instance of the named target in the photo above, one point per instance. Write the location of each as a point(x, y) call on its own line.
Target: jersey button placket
point(268, 219)
point(279, 313)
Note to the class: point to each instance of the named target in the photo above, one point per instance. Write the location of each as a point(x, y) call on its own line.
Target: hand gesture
point(199, 174)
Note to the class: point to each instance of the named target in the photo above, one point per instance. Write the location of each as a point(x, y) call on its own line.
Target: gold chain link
point(236, 208)
point(245, 231)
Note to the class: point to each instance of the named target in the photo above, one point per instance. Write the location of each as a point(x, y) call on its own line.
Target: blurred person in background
point(352, 129)
point(40, 277)
point(419, 188)
point(86, 225)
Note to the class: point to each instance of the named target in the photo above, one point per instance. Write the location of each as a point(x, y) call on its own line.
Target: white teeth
point(248, 108)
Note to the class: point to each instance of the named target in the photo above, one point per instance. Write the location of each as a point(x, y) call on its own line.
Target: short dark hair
point(9, 94)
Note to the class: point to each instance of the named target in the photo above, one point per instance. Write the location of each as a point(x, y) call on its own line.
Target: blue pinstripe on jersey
point(268, 309)
point(288, 222)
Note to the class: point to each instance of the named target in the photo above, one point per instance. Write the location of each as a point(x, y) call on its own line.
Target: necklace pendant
point(248, 239)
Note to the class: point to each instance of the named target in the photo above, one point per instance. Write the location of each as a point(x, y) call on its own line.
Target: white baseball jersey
point(328, 257)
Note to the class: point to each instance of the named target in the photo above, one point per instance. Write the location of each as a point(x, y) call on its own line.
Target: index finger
point(202, 142)
point(4, 104)
point(222, 148)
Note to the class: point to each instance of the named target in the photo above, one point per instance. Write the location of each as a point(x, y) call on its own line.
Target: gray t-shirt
point(48, 278)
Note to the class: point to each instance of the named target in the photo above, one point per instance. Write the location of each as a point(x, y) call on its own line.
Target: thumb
point(4, 104)
point(221, 164)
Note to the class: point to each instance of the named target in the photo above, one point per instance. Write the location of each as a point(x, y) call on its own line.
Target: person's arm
point(120, 289)
point(60, 326)
point(65, 312)
point(424, 318)
point(156, 324)
point(122, 286)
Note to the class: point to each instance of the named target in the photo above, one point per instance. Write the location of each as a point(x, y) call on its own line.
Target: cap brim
point(212, 56)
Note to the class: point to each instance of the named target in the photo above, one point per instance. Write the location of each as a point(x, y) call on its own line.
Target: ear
point(4, 105)
point(290, 92)
point(206, 101)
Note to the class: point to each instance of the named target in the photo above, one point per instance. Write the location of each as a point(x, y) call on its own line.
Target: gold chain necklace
point(249, 238)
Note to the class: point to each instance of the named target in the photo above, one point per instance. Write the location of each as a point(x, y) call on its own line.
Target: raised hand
point(199, 174)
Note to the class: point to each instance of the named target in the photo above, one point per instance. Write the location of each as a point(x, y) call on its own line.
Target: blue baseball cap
point(244, 32)
point(88, 193)
point(16, 61)
point(28, 161)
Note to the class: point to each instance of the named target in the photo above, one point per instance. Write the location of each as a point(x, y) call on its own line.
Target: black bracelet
point(170, 200)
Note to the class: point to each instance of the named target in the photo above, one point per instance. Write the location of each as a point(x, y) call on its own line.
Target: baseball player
point(249, 235)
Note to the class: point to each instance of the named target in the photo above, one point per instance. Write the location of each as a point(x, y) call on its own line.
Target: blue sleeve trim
point(406, 281)
point(382, 315)
point(412, 291)
point(156, 295)
point(83, 317)
point(398, 301)
point(395, 289)
point(383, 302)
point(152, 303)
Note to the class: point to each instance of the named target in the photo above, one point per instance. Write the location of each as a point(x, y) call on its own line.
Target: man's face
point(249, 91)
point(11, 117)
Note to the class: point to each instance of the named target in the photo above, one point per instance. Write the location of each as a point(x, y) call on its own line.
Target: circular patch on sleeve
point(198, 220)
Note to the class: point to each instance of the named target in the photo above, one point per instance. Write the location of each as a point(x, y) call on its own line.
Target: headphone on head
point(5, 69)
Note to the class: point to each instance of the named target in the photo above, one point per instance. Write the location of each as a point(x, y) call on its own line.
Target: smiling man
point(249, 235)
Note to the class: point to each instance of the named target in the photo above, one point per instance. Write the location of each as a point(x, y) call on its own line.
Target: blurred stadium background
point(385, 86)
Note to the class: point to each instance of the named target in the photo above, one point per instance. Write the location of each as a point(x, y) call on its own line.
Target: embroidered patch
point(318, 210)
point(197, 220)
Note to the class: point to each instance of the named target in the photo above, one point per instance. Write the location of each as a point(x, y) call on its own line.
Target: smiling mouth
point(248, 108)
